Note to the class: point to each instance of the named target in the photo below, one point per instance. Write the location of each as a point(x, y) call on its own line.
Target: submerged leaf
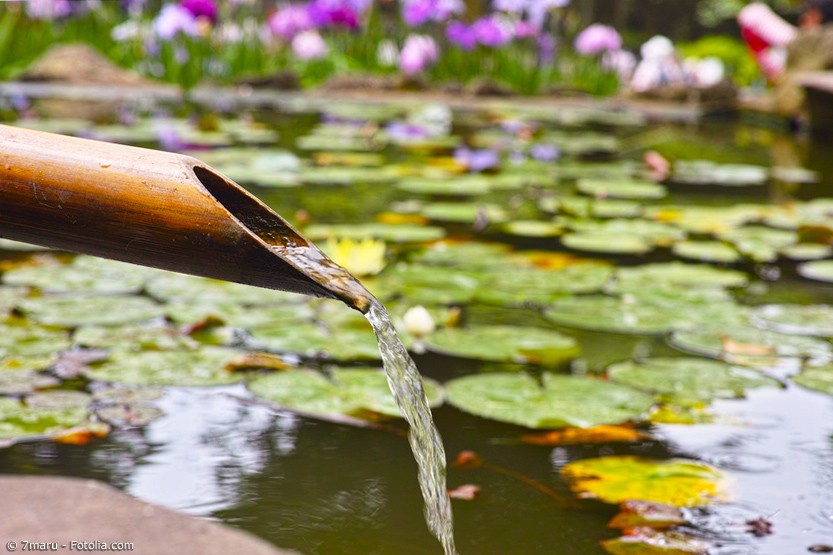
point(596, 434)
point(645, 541)
point(636, 514)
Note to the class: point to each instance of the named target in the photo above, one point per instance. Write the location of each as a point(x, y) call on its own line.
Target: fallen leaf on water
point(646, 514)
point(677, 482)
point(466, 491)
point(596, 434)
point(820, 548)
point(250, 361)
point(645, 541)
point(82, 435)
point(468, 459)
point(206, 323)
point(759, 527)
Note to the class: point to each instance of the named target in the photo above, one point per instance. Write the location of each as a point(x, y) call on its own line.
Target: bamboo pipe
point(156, 209)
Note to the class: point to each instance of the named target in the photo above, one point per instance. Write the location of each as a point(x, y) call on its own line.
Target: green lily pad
point(749, 346)
point(677, 274)
point(794, 174)
point(9, 245)
point(621, 188)
point(525, 286)
point(819, 270)
point(807, 251)
point(21, 382)
point(556, 402)
point(18, 340)
point(702, 172)
point(651, 313)
point(688, 380)
point(84, 274)
point(151, 337)
point(464, 213)
point(206, 366)
point(758, 242)
point(405, 233)
point(613, 171)
point(706, 251)
point(468, 185)
point(99, 310)
point(169, 286)
point(361, 393)
point(706, 219)
point(41, 415)
point(677, 482)
point(127, 407)
point(531, 228)
point(655, 232)
point(608, 242)
point(795, 319)
point(817, 378)
point(429, 284)
point(592, 208)
point(465, 255)
point(346, 176)
point(311, 341)
point(505, 344)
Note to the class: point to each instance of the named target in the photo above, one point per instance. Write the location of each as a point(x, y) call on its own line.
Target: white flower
point(418, 322)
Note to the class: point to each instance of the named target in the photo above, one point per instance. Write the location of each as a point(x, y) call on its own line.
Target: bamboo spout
point(156, 209)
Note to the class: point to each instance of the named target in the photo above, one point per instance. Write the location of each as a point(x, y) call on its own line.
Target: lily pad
point(642, 315)
point(644, 541)
point(9, 245)
point(84, 274)
point(170, 286)
point(706, 219)
point(405, 233)
point(556, 402)
point(206, 366)
point(41, 415)
point(760, 243)
point(472, 185)
point(465, 213)
point(17, 340)
point(819, 270)
point(311, 341)
point(795, 319)
point(748, 345)
point(531, 228)
point(807, 251)
point(355, 392)
point(817, 378)
point(464, 255)
point(707, 251)
point(593, 208)
point(505, 344)
point(622, 188)
point(152, 337)
point(608, 242)
point(657, 233)
point(21, 382)
point(677, 482)
point(702, 172)
point(677, 274)
point(99, 310)
point(689, 380)
point(525, 286)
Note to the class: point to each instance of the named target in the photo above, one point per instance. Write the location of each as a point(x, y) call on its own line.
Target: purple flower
point(546, 49)
point(537, 10)
point(544, 152)
point(309, 46)
point(201, 8)
point(525, 29)
point(172, 20)
point(597, 38)
point(404, 132)
point(492, 31)
point(477, 160)
point(461, 34)
point(418, 52)
point(337, 13)
point(417, 12)
point(290, 20)
point(48, 9)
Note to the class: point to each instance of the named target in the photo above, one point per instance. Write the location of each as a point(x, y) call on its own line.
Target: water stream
point(406, 385)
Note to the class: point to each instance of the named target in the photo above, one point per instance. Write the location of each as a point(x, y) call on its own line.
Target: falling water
point(403, 378)
point(427, 445)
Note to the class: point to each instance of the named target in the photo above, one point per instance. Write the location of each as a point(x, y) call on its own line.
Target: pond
point(682, 319)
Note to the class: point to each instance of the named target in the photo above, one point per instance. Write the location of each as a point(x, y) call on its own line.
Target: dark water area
point(332, 489)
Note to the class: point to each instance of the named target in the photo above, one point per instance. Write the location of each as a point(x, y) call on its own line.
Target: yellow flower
point(361, 258)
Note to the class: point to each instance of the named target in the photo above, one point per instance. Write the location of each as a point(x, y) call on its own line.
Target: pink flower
point(493, 31)
point(309, 46)
point(201, 8)
point(290, 20)
point(597, 38)
point(418, 52)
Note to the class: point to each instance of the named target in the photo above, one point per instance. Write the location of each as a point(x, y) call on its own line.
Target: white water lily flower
point(418, 322)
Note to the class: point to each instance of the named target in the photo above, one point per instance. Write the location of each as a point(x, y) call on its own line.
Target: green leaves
point(505, 344)
point(556, 401)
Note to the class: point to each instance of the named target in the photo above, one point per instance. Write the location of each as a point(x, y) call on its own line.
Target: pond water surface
point(329, 486)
